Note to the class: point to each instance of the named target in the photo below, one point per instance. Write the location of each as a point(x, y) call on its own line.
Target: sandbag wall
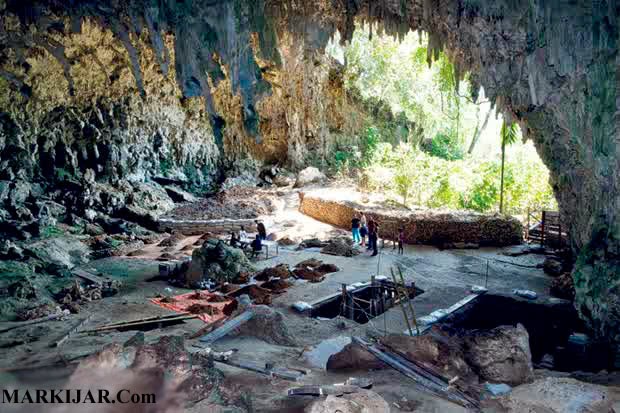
point(421, 227)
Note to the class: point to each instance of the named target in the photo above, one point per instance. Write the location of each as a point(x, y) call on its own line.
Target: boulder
point(217, 261)
point(558, 395)
point(19, 193)
point(563, 287)
point(286, 241)
point(552, 267)
point(59, 253)
point(281, 180)
point(179, 195)
point(363, 401)
point(500, 355)
point(342, 247)
point(354, 357)
point(309, 175)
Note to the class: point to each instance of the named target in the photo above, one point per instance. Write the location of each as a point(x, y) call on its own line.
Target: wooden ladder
point(402, 294)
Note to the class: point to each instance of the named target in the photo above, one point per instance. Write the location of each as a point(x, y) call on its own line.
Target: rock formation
point(111, 91)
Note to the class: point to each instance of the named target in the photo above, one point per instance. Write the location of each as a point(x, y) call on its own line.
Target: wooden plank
point(229, 326)
point(71, 331)
point(324, 390)
point(275, 372)
point(140, 323)
point(92, 278)
point(157, 317)
point(35, 321)
point(421, 381)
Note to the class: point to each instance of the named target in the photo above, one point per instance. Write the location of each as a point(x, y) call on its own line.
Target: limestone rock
point(500, 355)
point(364, 401)
point(179, 195)
point(558, 395)
point(59, 253)
point(310, 175)
point(354, 357)
point(436, 350)
point(552, 267)
point(217, 261)
point(282, 180)
point(563, 287)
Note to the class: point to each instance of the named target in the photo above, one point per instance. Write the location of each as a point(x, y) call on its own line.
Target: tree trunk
point(478, 132)
point(501, 184)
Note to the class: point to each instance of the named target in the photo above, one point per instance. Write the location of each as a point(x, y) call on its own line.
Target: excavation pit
point(553, 326)
point(368, 302)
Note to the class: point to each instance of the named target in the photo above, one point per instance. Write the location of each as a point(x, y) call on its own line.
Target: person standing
point(363, 234)
point(373, 236)
point(262, 231)
point(401, 240)
point(363, 229)
point(355, 229)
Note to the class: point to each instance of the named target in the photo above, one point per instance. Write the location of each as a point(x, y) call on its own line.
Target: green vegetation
point(454, 153)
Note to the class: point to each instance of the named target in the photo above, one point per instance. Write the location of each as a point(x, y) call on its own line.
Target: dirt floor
point(445, 276)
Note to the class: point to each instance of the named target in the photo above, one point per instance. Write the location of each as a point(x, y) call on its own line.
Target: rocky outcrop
point(558, 395)
point(137, 89)
point(308, 176)
point(500, 355)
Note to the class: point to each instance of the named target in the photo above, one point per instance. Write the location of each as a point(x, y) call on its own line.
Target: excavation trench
point(556, 334)
point(363, 304)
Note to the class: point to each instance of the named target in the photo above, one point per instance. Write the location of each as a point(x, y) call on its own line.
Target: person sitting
point(257, 245)
point(243, 236)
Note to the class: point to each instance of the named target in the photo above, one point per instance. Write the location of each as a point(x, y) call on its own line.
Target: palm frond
point(509, 133)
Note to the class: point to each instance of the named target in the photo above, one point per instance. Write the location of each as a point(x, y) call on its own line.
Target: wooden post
point(373, 295)
point(542, 230)
point(343, 307)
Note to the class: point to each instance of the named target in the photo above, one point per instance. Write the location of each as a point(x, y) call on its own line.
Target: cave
point(112, 112)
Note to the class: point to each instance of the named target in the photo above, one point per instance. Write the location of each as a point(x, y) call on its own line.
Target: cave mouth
point(556, 334)
point(367, 304)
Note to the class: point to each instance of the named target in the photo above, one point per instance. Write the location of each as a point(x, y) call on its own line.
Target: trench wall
point(421, 227)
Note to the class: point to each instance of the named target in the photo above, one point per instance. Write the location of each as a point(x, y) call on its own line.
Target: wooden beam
point(71, 331)
point(275, 372)
point(85, 275)
point(140, 323)
point(229, 326)
point(409, 370)
point(35, 321)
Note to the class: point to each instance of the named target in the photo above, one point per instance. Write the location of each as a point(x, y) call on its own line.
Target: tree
point(478, 131)
point(509, 135)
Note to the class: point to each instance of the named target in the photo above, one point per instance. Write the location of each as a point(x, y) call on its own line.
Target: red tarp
point(182, 302)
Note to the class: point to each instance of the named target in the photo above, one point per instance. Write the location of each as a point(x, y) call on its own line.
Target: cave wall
point(552, 66)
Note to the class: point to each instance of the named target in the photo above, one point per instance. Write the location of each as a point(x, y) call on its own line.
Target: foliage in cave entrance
point(452, 157)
